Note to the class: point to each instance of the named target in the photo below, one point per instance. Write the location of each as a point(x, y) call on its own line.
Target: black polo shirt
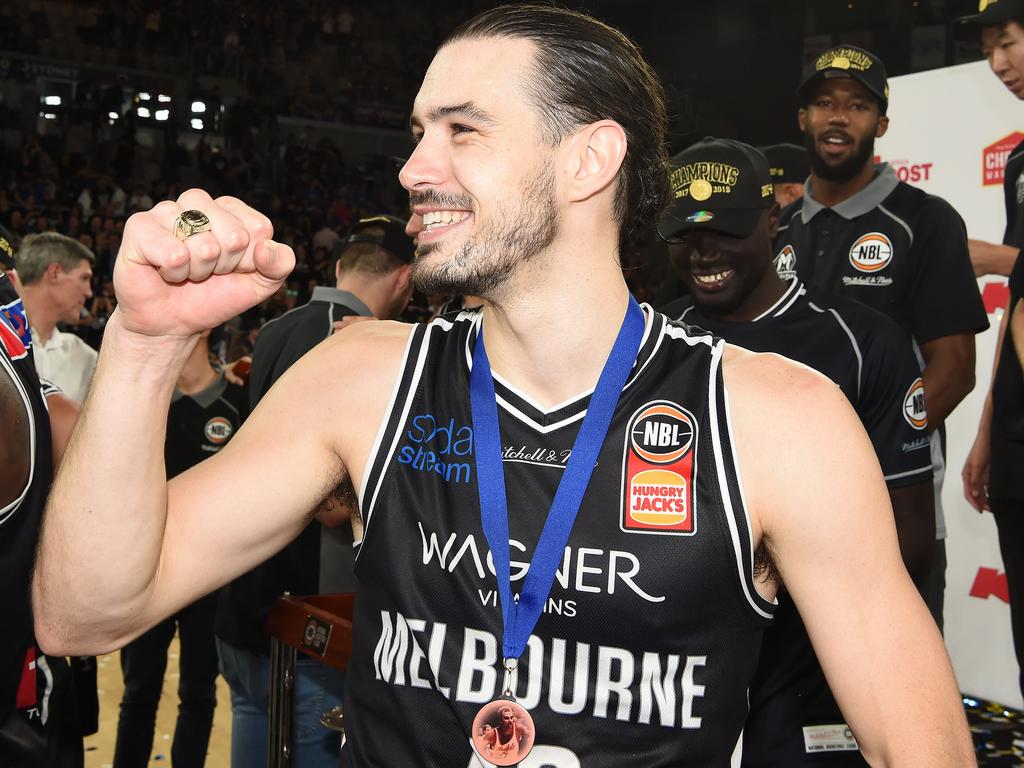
point(863, 351)
point(283, 340)
point(1005, 479)
point(299, 568)
point(890, 246)
point(199, 425)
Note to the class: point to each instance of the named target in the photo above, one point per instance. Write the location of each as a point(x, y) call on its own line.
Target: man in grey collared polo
point(372, 280)
point(862, 233)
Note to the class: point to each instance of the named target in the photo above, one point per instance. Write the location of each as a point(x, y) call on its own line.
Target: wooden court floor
point(99, 748)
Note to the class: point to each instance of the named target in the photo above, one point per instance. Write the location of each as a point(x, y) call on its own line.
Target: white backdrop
point(949, 134)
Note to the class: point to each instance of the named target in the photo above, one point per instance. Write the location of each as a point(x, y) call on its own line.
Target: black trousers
point(144, 662)
point(1009, 515)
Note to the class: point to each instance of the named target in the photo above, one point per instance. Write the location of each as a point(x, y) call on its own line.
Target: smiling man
point(721, 248)
point(861, 233)
point(568, 536)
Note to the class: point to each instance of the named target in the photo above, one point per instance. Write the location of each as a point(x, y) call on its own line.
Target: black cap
point(849, 61)
point(6, 249)
point(994, 13)
point(717, 184)
point(394, 240)
point(787, 163)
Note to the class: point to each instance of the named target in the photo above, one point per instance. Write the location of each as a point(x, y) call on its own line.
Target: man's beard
point(488, 259)
point(845, 170)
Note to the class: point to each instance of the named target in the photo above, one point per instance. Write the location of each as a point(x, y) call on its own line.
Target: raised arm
point(818, 499)
point(121, 548)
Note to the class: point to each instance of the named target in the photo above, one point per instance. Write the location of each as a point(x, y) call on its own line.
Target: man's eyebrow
point(466, 109)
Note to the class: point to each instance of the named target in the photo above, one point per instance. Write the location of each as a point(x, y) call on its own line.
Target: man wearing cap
point(861, 233)
point(721, 247)
point(991, 473)
point(372, 280)
point(789, 169)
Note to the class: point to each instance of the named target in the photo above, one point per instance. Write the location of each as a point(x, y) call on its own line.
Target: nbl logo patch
point(913, 405)
point(658, 470)
point(871, 253)
point(218, 430)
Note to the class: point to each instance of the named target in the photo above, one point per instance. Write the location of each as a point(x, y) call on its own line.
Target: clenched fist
point(171, 287)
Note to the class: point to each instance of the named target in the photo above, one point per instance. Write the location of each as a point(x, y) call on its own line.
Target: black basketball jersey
point(650, 633)
point(199, 425)
point(20, 520)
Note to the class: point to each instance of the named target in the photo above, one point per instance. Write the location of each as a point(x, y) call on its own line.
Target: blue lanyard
point(520, 618)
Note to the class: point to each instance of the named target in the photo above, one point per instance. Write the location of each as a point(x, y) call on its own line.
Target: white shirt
point(65, 360)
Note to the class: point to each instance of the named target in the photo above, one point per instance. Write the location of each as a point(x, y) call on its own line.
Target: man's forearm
point(944, 391)
point(91, 584)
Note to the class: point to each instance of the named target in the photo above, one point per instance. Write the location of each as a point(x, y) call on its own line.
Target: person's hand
point(237, 373)
point(975, 474)
point(348, 320)
point(167, 287)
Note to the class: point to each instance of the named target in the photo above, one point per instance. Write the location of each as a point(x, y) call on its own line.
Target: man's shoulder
point(910, 202)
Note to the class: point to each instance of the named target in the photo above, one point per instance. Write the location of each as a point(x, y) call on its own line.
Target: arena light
point(142, 112)
point(143, 96)
point(51, 101)
point(198, 107)
point(163, 99)
point(48, 115)
point(162, 114)
point(197, 124)
point(113, 115)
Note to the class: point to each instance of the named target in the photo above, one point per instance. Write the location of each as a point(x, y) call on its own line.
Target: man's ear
point(801, 119)
point(882, 127)
point(53, 271)
point(595, 157)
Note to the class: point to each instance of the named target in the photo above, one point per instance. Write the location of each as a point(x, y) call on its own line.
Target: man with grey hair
point(54, 278)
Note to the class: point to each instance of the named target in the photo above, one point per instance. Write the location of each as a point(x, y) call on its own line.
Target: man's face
point(722, 271)
point(508, 718)
point(70, 291)
point(481, 181)
point(1003, 47)
point(840, 123)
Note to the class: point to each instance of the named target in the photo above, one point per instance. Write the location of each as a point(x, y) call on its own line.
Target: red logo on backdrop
point(991, 583)
point(993, 158)
point(658, 470)
point(996, 296)
point(912, 173)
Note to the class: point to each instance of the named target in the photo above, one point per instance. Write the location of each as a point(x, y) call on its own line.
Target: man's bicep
point(308, 435)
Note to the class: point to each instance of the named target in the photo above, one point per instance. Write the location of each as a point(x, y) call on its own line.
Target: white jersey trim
point(746, 570)
point(371, 458)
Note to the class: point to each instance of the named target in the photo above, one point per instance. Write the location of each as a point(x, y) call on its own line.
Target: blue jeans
point(317, 689)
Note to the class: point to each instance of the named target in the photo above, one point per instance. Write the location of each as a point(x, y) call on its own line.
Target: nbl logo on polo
point(658, 470)
point(218, 430)
point(913, 405)
point(871, 253)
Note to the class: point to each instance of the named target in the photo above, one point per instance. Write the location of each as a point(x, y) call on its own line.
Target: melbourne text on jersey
point(570, 678)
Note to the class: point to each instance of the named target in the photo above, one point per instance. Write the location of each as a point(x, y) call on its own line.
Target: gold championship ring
point(190, 223)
